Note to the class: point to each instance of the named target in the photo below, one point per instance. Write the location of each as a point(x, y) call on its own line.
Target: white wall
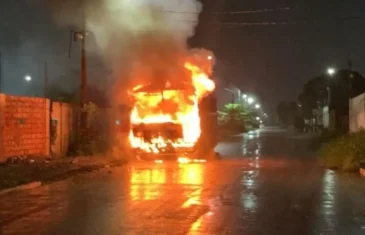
point(357, 113)
point(325, 117)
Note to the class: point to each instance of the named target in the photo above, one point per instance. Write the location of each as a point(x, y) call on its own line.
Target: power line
point(273, 23)
point(255, 11)
point(233, 12)
point(257, 23)
point(246, 23)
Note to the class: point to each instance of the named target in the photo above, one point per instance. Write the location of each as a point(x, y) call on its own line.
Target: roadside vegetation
point(235, 119)
point(345, 152)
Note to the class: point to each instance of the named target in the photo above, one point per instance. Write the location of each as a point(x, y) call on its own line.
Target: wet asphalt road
point(266, 183)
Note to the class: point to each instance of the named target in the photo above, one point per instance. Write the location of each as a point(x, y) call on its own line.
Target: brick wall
point(24, 123)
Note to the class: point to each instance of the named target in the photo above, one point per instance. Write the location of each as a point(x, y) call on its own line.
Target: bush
point(346, 152)
point(324, 137)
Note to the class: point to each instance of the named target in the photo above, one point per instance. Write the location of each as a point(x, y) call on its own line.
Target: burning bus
point(165, 119)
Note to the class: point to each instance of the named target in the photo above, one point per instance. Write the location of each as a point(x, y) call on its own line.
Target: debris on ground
point(22, 170)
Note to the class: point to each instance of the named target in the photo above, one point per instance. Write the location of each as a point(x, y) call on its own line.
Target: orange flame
point(170, 105)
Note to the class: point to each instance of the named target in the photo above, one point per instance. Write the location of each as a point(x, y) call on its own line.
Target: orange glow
point(191, 202)
point(191, 174)
point(183, 160)
point(172, 104)
point(147, 184)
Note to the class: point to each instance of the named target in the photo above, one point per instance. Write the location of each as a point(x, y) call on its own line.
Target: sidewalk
point(27, 172)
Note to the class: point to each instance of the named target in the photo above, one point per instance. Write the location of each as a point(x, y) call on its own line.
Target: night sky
point(272, 62)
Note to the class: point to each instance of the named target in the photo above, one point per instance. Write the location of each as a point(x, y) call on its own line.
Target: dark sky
point(272, 62)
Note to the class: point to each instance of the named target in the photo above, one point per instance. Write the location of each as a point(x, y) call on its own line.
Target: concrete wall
point(62, 123)
point(325, 117)
point(24, 123)
point(357, 113)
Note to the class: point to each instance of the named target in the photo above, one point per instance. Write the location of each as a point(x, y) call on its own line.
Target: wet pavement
point(266, 183)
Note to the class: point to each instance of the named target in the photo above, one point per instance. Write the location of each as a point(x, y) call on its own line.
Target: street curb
point(31, 185)
point(36, 184)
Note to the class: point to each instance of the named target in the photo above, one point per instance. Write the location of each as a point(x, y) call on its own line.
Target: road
point(266, 183)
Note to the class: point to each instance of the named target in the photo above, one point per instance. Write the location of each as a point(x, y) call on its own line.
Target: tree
point(288, 112)
point(317, 91)
point(236, 116)
point(282, 112)
point(314, 93)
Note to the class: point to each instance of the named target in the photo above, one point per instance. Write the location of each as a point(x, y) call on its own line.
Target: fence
point(24, 123)
point(35, 127)
point(25, 127)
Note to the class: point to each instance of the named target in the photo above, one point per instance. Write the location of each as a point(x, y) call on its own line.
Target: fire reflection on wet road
point(263, 190)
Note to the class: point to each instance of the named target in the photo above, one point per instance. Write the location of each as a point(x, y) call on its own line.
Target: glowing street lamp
point(250, 100)
point(28, 78)
point(331, 71)
point(257, 106)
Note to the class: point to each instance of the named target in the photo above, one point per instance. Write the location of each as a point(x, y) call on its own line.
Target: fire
point(169, 115)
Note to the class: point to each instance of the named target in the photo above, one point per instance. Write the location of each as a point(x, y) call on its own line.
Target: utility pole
point(351, 76)
point(83, 84)
point(82, 123)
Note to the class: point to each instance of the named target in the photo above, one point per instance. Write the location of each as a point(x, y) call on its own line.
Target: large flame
point(171, 105)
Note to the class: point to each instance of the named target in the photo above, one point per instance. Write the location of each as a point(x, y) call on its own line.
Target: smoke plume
point(140, 40)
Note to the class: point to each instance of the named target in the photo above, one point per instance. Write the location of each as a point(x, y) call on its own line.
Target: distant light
point(210, 57)
point(158, 161)
point(250, 100)
point(244, 96)
point(117, 122)
point(261, 121)
point(183, 160)
point(257, 118)
point(331, 71)
point(257, 106)
point(28, 78)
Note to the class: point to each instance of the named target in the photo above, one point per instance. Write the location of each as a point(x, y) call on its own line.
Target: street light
point(28, 78)
point(244, 96)
point(331, 71)
point(250, 100)
point(236, 94)
point(257, 106)
point(257, 118)
point(233, 94)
